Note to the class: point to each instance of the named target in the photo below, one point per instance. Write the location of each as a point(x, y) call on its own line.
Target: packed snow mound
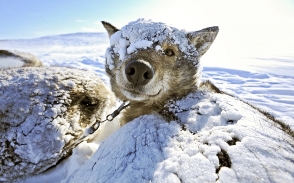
point(216, 138)
point(9, 59)
point(43, 110)
point(143, 34)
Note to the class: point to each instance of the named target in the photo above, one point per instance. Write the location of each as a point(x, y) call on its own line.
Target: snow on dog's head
point(148, 60)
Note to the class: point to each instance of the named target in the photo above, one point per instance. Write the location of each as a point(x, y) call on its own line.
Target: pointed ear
point(203, 39)
point(109, 28)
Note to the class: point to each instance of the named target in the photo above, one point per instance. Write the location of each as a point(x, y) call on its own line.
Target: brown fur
point(185, 83)
point(210, 86)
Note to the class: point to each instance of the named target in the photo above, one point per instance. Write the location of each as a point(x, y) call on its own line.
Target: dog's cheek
point(185, 75)
point(117, 91)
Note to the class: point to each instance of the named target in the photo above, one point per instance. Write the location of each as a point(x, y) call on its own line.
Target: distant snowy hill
point(79, 50)
point(268, 90)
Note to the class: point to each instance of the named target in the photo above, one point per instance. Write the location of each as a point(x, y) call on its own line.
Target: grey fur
point(203, 39)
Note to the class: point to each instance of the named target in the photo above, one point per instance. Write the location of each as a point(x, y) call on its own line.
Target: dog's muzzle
point(139, 72)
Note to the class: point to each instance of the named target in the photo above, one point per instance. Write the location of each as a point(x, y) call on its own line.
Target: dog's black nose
point(139, 73)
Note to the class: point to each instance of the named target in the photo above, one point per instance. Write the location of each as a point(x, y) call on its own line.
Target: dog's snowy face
point(148, 60)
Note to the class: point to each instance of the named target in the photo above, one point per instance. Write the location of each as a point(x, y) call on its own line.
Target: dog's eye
point(169, 52)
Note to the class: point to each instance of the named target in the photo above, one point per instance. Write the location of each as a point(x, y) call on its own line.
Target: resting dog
point(43, 110)
point(150, 63)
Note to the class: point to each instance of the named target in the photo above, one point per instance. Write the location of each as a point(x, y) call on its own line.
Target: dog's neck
point(139, 108)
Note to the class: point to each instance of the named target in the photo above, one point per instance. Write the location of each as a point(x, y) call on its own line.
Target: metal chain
point(94, 127)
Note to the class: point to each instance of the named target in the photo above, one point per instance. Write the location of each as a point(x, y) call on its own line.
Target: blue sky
point(33, 18)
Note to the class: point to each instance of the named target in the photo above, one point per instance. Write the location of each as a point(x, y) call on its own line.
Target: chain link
point(94, 127)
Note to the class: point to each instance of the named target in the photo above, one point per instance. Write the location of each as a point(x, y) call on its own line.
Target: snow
point(158, 47)
point(142, 34)
point(139, 44)
point(7, 62)
point(151, 149)
point(80, 155)
point(272, 92)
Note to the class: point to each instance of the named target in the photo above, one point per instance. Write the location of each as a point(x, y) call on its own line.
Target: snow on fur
point(216, 138)
point(42, 111)
point(142, 34)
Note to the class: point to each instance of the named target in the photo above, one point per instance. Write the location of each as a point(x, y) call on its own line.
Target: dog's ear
point(202, 39)
point(109, 28)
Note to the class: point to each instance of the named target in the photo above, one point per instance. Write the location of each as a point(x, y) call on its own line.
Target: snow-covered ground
point(265, 82)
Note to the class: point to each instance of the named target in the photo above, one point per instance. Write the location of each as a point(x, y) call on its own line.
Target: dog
point(43, 111)
point(154, 66)
point(149, 63)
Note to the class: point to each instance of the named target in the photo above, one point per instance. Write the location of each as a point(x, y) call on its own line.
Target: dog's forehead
point(143, 29)
point(142, 34)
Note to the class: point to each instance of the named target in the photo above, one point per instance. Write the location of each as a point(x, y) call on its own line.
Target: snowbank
point(44, 110)
point(216, 138)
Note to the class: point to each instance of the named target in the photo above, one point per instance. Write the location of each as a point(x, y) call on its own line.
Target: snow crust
point(149, 149)
point(143, 34)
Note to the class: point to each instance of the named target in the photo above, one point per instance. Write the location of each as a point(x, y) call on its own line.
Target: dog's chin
point(136, 96)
